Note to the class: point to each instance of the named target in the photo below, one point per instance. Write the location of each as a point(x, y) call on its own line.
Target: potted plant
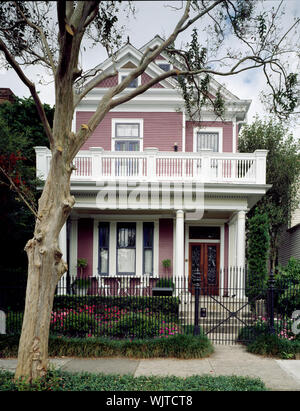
point(82, 264)
point(166, 264)
point(163, 287)
point(82, 283)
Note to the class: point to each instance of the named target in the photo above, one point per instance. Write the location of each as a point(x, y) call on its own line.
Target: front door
point(206, 258)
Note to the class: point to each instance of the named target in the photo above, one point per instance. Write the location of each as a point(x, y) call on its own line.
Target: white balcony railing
point(206, 166)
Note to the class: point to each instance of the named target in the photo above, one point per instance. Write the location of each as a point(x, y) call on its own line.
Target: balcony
point(152, 165)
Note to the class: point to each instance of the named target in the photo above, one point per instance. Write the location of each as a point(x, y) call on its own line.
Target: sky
point(155, 17)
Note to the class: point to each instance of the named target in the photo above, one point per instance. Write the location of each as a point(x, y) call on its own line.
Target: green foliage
point(289, 273)
point(272, 345)
point(166, 263)
point(289, 300)
point(20, 131)
point(165, 305)
point(82, 263)
point(257, 256)
point(283, 170)
point(176, 346)
point(288, 285)
point(65, 381)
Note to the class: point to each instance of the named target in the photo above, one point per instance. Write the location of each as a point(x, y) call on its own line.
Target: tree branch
point(43, 38)
point(92, 85)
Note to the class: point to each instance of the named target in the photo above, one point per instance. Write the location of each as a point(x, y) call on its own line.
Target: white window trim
point(115, 121)
point(218, 130)
point(126, 73)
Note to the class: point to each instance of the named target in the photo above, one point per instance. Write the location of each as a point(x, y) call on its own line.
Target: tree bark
point(45, 268)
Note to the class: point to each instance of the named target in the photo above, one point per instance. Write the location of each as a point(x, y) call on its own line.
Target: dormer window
point(134, 83)
point(164, 66)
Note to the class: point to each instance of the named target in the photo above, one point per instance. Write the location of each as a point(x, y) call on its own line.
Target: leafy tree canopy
point(283, 172)
point(20, 131)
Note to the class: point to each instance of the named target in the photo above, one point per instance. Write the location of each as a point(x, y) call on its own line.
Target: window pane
point(127, 145)
point(148, 231)
point(164, 66)
point(133, 84)
point(148, 235)
point(127, 130)
point(126, 235)
point(148, 261)
point(103, 235)
point(103, 261)
point(199, 233)
point(208, 141)
point(103, 248)
point(126, 260)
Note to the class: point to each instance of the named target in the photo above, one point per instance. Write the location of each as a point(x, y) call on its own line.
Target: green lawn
point(64, 381)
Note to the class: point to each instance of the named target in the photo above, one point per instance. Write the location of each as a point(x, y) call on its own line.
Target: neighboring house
point(290, 239)
point(130, 213)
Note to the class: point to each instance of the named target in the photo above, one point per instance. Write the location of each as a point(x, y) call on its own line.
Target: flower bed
point(112, 321)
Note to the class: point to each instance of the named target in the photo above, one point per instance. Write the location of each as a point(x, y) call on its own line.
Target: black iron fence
point(147, 307)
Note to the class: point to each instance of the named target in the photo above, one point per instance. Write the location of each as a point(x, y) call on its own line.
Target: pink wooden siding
point(85, 243)
point(165, 244)
point(109, 82)
point(161, 130)
point(227, 133)
point(113, 81)
point(145, 79)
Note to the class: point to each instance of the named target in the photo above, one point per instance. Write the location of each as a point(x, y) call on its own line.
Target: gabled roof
point(214, 85)
point(130, 54)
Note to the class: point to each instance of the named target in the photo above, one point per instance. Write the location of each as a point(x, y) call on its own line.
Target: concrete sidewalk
point(278, 375)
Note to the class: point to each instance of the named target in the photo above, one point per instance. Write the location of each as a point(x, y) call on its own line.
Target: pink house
point(151, 185)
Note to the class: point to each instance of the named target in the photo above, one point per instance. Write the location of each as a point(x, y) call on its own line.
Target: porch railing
point(153, 165)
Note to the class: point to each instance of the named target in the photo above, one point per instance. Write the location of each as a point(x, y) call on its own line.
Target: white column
point(179, 244)
point(62, 239)
point(241, 241)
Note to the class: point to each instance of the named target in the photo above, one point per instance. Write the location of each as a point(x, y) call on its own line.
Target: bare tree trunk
point(45, 268)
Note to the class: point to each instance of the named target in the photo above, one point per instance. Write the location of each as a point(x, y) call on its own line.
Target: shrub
point(287, 283)
point(257, 255)
point(283, 343)
point(177, 346)
point(289, 300)
point(164, 305)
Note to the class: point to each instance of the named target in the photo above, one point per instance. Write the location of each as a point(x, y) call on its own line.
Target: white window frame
point(122, 73)
point(218, 130)
point(113, 220)
point(127, 121)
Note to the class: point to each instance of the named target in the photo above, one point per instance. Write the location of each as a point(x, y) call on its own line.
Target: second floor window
point(127, 137)
point(206, 140)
